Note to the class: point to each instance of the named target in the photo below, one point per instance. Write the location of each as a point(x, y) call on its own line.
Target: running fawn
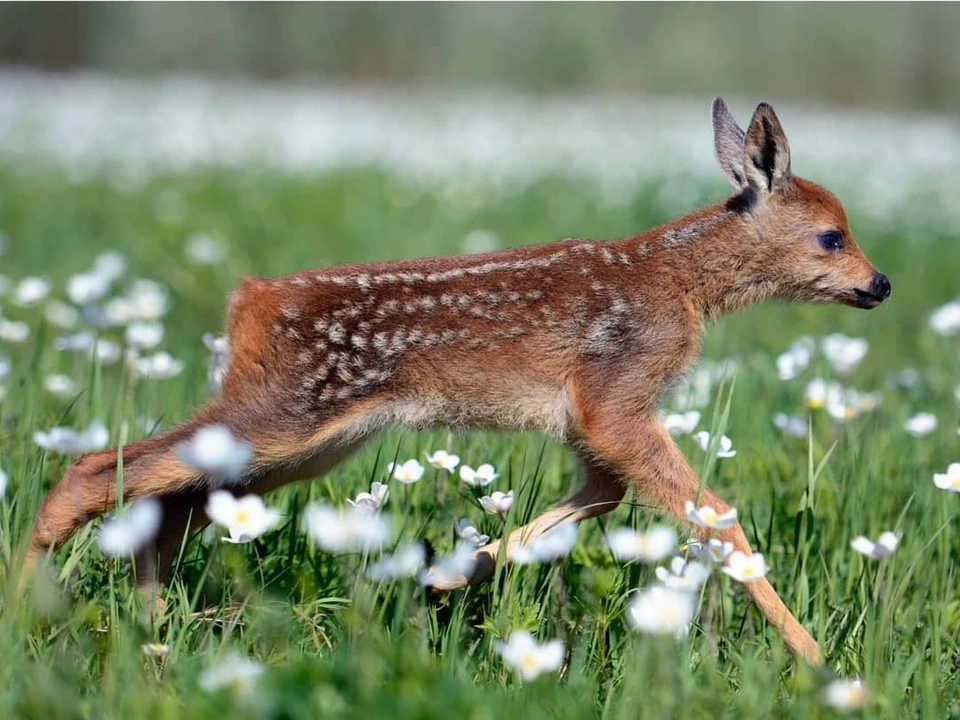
point(577, 339)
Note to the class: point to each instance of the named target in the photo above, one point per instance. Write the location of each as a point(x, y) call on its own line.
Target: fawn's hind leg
point(184, 512)
point(601, 493)
point(88, 489)
point(283, 452)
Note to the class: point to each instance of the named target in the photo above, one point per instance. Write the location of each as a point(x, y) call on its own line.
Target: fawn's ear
point(766, 153)
point(728, 141)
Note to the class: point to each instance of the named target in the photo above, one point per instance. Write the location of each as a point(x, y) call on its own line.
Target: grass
point(337, 645)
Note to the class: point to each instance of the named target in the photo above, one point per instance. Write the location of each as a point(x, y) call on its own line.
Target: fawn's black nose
point(880, 286)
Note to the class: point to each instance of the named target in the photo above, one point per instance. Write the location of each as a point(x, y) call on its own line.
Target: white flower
point(442, 460)
point(450, 568)
point(110, 264)
point(531, 659)
point(795, 360)
point(216, 345)
point(61, 315)
point(155, 649)
point(702, 439)
point(651, 546)
point(214, 450)
point(662, 611)
point(31, 291)
point(405, 562)
point(681, 423)
point(554, 544)
point(125, 535)
point(408, 473)
point(78, 342)
point(119, 311)
point(846, 694)
point(950, 480)
point(236, 672)
point(60, 385)
point(147, 300)
point(683, 575)
point(372, 501)
point(341, 530)
point(844, 405)
point(202, 249)
point(481, 477)
point(694, 392)
point(816, 392)
point(706, 516)
point(87, 288)
point(144, 335)
point(14, 331)
point(246, 518)
point(159, 366)
point(4, 481)
point(945, 320)
point(4, 367)
point(497, 503)
point(70, 442)
point(713, 551)
point(746, 568)
point(883, 548)
point(470, 535)
point(921, 424)
point(844, 353)
point(219, 348)
point(105, 352)
point(792, 425)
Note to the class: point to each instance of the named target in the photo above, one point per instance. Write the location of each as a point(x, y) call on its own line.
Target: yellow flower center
point(242, 517)
point(708, 515)
point(529, 662)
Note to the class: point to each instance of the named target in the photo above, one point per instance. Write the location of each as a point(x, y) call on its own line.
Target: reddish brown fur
point(579, 339)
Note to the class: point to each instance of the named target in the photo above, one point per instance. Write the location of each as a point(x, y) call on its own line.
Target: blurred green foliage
point(888, 54)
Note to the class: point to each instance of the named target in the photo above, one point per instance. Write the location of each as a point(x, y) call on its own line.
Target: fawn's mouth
point(864, 299)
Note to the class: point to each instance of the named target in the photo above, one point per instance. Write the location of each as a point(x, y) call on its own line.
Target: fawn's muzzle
point(880, 286)
point(878, 291)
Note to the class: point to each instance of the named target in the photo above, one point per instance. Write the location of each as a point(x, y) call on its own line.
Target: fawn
point(577, 339)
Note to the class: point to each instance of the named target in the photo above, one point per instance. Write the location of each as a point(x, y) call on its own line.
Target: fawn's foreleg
point(601, 493)
point(648, 458)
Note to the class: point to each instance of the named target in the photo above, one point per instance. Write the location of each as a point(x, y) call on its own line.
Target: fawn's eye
point(831, 240)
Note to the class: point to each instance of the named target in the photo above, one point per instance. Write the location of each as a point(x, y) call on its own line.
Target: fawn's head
point(801, 226)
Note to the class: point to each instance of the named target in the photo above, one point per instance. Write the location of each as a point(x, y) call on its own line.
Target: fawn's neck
point(713, 258)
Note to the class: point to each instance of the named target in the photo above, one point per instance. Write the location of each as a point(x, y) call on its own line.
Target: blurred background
point(871, 55)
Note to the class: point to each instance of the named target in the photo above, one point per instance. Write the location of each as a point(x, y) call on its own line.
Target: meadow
point(329, 641)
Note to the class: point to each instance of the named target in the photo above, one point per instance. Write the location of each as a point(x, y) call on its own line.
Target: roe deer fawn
point(577, 339)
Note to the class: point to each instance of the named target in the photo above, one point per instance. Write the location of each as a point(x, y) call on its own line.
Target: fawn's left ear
point(766, 153)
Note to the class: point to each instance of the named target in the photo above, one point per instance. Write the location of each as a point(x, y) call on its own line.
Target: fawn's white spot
point(337, 333)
